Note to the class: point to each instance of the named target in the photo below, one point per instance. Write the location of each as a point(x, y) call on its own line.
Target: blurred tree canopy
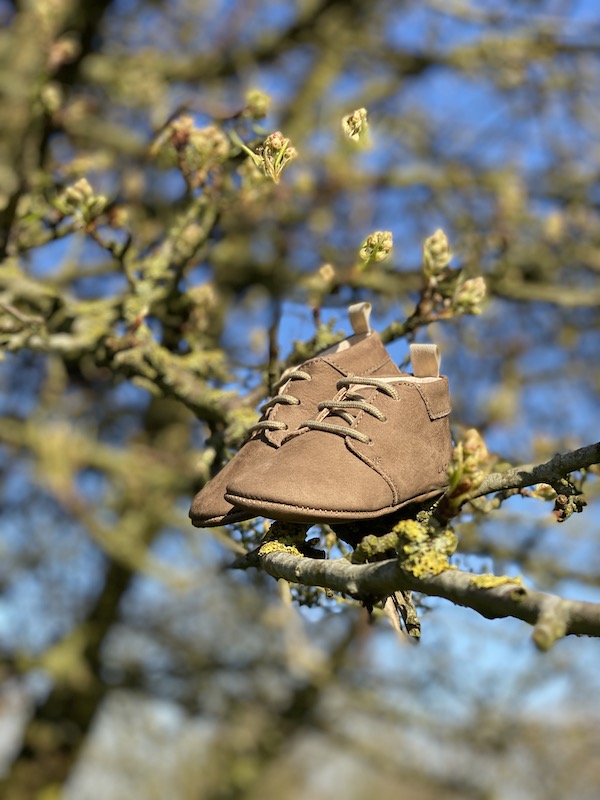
point(190, 195)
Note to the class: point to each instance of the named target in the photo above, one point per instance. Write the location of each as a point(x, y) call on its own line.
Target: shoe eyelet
point(370, 443)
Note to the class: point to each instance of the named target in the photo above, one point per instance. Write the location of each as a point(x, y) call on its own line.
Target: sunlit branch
point(551, 616)
point(550, 472)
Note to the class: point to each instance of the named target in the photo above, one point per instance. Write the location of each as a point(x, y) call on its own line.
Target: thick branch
point(553, 617)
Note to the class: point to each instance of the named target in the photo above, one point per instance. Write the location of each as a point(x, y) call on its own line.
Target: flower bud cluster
point(376, 247)
point(274, 155)
point(355, 125)
point(436, 254)
point(79, 200)
point(194, 150)
point(471, 462)
point(469, 296)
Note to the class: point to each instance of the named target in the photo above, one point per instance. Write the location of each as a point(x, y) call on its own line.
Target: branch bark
point(550, 472)
point(551, 616)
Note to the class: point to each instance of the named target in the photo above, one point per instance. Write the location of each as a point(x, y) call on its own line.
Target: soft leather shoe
point(299, 392)
point(381, 442)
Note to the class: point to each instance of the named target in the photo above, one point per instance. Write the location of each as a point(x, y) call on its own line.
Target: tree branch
point(493, 598)
point(550, 472)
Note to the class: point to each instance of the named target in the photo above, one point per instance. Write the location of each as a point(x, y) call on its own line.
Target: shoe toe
point(210, 508)
point(313, 479)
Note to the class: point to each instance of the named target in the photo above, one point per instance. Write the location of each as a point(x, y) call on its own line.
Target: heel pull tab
point(359, 314)
point(425, 359)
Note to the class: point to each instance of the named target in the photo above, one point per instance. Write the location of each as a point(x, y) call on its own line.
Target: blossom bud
point(470, 295)
point(275, 141)
point(376, 247)
point(257, 104)
point(95, 206)
point(78, 192)
point(274, 155)
point(436, 254)
point(355, 124)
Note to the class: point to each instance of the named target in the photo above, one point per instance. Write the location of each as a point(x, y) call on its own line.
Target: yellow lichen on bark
point(283, 537)
point(424, 550)
point(489, 581)
point(278, 547)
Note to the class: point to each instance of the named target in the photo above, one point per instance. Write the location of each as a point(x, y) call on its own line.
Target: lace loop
point(353, 401)
point(378, 383)
point(341, 430)
point(360, 405)
point(284, 399)
point(279, 399)
point(295, 375)
point(266, 425)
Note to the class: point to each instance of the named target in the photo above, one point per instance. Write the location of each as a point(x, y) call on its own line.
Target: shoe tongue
point(365, 356)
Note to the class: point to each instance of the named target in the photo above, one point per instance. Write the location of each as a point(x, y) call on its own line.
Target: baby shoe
point(381, 442)
point(298, 394)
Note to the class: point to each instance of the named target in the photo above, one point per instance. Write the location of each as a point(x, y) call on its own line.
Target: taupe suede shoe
point(299, 392)
point(382, 442)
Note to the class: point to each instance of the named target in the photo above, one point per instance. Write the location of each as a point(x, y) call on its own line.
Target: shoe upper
point(299, 393)
point(374, 447)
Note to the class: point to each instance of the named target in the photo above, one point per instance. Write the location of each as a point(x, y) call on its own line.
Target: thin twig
point(530, 474)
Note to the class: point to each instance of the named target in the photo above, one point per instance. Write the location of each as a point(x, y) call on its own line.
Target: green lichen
point(422, 548)
point(278, 547)
point(283, 537)
point(425, 549)
point(412, 530)
point(425, 564)
point(489, 581)
point(373, 546)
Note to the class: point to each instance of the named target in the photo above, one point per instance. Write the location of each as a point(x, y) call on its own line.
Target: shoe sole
point(288, 513)
point(224, 519)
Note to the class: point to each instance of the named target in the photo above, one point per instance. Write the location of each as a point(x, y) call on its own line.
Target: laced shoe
point(297, 395)
point(382, 442)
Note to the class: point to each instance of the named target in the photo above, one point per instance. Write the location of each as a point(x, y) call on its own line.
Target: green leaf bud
point(355, 125)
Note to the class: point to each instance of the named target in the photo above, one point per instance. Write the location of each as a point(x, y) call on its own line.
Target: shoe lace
point(284, 399)
point(351, 401)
